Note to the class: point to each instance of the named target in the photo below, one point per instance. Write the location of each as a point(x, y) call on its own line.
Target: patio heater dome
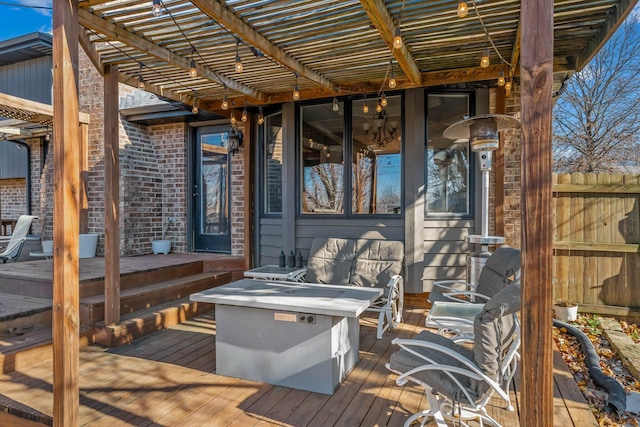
point(481, 131)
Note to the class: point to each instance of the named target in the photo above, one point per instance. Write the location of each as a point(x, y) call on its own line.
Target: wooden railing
point(597, 241)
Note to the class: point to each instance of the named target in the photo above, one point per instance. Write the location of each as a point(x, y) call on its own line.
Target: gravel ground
point(609, 363)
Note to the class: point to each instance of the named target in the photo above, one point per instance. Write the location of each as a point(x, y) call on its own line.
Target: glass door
point(212, 191)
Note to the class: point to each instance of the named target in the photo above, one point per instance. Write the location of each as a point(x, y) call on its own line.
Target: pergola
point(322, 49)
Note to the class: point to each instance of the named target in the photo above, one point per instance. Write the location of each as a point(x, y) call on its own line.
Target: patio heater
point(482, 133)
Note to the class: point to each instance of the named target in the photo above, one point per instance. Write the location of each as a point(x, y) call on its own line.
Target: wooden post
point(84, 178)
point(536, 17)
point(111, 197)
point(66, 225)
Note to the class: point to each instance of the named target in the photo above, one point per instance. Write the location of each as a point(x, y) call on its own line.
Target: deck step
point(143, 297)
point(27, 347)
point(143, 322)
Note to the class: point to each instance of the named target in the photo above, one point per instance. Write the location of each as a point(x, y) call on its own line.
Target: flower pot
point(87, 244)
point(161, 246)
point(566, 313)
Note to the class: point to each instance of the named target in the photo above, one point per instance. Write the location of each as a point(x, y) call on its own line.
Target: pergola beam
point(383, 21)
point(219, 13)
point(112, 31)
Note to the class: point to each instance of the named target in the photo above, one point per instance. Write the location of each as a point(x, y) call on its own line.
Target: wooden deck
point(168, 379)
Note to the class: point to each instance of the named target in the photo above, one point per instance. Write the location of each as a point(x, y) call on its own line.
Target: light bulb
point(501, 80)
point(225, 103)
point(296, 93)
point(392, 82)
point(141, 82)
point(484, 62)
point(244, 116)
point(378, 107)
point(192, 69)
point(156, 8)
point(239, 67)
point(397, 39)
point(260, 116)
point(365, 107)
point(233, 118)
point(195, 108)
point(383, 100)
point(335, 106)
point(463, 10)
point(507, 85)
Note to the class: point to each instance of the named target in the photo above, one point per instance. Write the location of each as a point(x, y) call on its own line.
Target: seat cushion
point(376, 261)
point(330, 261)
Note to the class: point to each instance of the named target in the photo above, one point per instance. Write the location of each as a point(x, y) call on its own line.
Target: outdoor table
point(273, 272)
point(299, 335)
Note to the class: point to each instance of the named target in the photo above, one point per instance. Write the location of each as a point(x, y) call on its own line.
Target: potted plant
point(163, 246)
point(566, 310)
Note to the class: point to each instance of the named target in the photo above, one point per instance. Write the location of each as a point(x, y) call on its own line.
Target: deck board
point(168, 378)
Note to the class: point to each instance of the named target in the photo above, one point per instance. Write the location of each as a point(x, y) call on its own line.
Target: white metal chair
point(460, 381)
point(18, 236)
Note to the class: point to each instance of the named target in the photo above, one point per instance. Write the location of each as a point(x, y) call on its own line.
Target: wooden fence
point(597, 242)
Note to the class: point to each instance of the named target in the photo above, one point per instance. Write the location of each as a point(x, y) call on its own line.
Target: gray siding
point(13, 160)
point(445, 250)
point(271, 241)
point(30, 79)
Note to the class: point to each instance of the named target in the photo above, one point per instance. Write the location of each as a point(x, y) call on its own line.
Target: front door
point(211, 190)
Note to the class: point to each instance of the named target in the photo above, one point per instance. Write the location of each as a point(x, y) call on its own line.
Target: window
point(377, 143)
point(447, 160)
point(272, 138)
point(322, 142)
point(349, 142)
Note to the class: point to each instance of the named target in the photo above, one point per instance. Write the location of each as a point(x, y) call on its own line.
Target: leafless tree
point(596, 121)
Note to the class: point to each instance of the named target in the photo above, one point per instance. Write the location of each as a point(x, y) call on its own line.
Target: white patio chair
point(18, 236)
point(460, 381)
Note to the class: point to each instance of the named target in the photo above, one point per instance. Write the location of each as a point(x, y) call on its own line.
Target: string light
point(193, 72)
point(239, 67)
point(141, 84)
point(392, 78)
point(397, 39)
point(156, 8)
point(463, 10)
point(378, 107)
point(296, 91)
point(335, 106)
point(233, 118)
point(365, 107)
point(484, 62)
point(260, 116)
point(383, 100)
point(195, 108)
point(507, 87)
point(244, 116)
point(501, 80)
point(225, 103)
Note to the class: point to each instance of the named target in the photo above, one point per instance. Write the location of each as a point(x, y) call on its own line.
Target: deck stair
point(154, 295)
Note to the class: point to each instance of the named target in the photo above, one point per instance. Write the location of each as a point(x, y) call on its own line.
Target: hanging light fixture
point(296, 91)
point(392, 79)
point(239, 67)
point(233, 118)
point(244, 116)
point(484, 62)
point(501, 80)
point(383, 100)
point(156, 8)
point(225, 102)
point(335, 105)
point(397, 38)
point(195, 108)
point(141, 84)
point(378, 107)
point(193, 72)
point(463, 10)
point(365, 107)
point(382, 134)
point(507, 87)
point(260, 116)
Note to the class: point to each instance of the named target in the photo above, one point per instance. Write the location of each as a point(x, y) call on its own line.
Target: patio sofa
point(362, 262)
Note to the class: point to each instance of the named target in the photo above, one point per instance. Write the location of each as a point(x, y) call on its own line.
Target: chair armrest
point(465, 297)
point(448, 285)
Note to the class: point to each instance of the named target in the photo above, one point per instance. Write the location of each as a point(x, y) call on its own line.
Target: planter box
point(566, 313)
point(161, 246)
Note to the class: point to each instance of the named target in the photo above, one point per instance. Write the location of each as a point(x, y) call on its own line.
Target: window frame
point(262, 144)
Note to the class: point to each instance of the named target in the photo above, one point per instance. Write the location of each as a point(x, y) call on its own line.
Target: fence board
point(597, 239)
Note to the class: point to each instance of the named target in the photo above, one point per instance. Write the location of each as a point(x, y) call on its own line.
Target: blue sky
point(18, 19)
